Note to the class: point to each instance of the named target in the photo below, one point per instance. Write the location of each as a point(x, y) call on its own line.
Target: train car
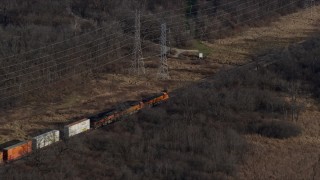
point(112, 115)
point(103, 118)
point(76, 128)
point(14, 150)
point(45, 139)
point(156, 99)
point(1, 157)
point(130, 107)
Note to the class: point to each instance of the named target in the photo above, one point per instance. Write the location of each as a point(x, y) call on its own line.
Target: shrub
point(275, 129)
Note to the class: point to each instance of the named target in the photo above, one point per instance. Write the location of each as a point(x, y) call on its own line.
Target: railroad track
point(254, 65)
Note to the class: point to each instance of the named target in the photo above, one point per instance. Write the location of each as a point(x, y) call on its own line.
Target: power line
point(69, 61)
point(55, 65)
point(46, 62)
point(65, 56)
point(107, 63)
point(80, 45)
point(178, 24)
point(101, 28)
point(59, 71)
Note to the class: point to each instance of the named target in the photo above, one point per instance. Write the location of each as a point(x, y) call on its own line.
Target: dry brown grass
point(288, 29)
point(294, 158)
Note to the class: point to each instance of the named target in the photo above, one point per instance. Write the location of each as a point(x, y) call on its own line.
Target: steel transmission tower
point(137, 66)
point(310, 3)
point(163, 69)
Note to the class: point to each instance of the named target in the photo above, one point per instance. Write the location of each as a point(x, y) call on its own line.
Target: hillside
point(239, 124)
point(80, 39)
point(52, 109)
point(237, 113)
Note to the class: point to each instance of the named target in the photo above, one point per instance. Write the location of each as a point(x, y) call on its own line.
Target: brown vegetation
point(195, 135)
point(96, 90)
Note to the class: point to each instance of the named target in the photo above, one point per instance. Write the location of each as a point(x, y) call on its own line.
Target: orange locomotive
point(112, 115)
point(102, 118)
point(126, 109)
point(156, 99)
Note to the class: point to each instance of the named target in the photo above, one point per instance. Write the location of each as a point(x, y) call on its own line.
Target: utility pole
point(169, 41)
point(310, 4)
point(137, 66)
point(163, 72)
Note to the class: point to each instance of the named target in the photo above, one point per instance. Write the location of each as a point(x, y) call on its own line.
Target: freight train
point(14, 150)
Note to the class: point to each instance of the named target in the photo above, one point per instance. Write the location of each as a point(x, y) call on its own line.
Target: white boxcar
point(45, 139)
point(76, 128)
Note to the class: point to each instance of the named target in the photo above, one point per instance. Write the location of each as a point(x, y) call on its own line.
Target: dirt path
point(178, 52)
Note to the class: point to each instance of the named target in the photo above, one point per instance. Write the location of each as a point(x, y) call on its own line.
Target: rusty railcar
point(14, 150)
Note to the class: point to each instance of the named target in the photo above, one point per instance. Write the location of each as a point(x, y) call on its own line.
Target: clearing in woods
point(109, 89)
